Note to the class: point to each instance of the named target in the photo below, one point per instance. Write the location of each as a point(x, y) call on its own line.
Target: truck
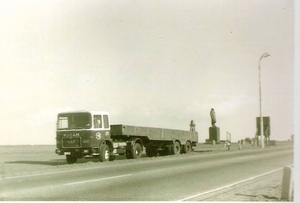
point(81, 134)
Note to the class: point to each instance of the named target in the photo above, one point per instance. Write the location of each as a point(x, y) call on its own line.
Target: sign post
point(266, 132)
point(228, 140)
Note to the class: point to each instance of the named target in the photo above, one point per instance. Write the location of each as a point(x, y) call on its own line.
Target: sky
point(158, 63)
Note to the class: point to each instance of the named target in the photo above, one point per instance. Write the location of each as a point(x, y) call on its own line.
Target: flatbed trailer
point(89, 133)
point(162, 140)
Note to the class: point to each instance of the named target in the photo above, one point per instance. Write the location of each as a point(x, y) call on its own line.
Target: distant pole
point(260, 108)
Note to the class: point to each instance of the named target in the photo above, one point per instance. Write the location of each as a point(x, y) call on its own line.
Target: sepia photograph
point(151, 100)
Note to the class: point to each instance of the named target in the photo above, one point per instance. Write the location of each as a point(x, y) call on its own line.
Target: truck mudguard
point(106, 141)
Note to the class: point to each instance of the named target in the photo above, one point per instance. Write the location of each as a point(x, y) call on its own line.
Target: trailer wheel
point(71, 159)
point(112, 157)
point(151, 151)
point(187, 147)
point(128, 154)
point(176, 148)
point(137, 151)
point(104, 153)
point(163, 152)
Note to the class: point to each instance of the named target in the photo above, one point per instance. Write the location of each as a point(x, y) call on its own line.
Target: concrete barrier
point(287, 184)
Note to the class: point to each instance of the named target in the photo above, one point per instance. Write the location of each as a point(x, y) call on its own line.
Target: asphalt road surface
point(169, 178)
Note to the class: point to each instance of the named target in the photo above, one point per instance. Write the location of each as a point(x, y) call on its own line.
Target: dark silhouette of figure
point(213, 117)
point(192, 126)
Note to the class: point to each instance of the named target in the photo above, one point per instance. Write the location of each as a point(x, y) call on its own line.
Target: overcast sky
point(149, 63)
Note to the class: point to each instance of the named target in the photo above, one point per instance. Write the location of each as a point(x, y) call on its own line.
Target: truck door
point(101, 128)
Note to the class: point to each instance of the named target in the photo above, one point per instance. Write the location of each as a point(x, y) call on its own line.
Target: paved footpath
point(264, 188)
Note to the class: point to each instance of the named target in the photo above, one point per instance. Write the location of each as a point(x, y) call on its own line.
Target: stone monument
point(214, 131)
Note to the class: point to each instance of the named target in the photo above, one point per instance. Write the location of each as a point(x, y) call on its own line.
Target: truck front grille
point(71, 143)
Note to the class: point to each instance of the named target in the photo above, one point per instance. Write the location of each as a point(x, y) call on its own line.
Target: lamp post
point(260, 108)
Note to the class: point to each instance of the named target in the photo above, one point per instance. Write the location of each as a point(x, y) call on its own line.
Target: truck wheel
point(187, 147)
point(176, 148)
point(71, 159)
point(104, 153)
point(137, 151)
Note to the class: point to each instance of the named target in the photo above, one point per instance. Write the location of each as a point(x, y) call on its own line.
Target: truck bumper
point(77, 152)
point(59, 152)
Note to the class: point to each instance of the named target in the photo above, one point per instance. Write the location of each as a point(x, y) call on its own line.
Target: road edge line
point(230, 185)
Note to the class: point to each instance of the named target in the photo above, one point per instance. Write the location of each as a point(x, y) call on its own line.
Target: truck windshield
point(74, 121)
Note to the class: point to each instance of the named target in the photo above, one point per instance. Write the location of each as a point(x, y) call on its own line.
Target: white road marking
point(230, 185)
point(66, 171)
point(42, 174)
point(94, 180)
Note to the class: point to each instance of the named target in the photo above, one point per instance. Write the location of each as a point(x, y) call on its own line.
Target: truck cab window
point(106, 122)
point(62, 122)
point(74, 121)
point(97, 121)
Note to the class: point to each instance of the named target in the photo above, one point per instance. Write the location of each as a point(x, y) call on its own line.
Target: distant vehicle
point(89, 133)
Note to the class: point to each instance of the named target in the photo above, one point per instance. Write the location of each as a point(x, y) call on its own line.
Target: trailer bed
point(121, 130)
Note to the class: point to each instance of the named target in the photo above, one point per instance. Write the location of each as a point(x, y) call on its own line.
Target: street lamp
point(260, 109)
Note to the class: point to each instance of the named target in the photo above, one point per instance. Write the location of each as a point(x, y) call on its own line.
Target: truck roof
point(86, 111)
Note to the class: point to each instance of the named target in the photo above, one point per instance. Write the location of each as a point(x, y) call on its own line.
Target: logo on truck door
point(98, 135)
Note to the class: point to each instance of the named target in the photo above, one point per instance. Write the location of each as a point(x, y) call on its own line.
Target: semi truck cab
point(82, 133)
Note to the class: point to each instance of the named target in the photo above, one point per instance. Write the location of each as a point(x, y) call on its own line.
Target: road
point(169, 178)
